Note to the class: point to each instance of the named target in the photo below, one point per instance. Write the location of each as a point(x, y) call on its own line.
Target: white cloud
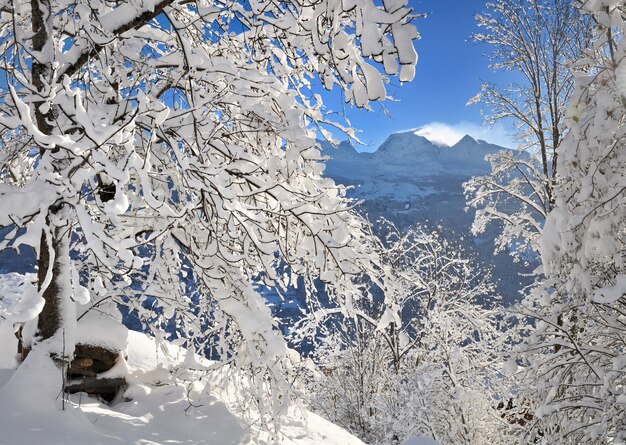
point(449, 134)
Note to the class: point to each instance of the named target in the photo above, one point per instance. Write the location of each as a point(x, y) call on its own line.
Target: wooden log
point(90, 360)
point(104, 387)
point(82, 362)
point(103, 358)
point(77, 372)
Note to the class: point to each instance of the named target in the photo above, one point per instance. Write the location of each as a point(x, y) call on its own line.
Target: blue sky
point(450, 71)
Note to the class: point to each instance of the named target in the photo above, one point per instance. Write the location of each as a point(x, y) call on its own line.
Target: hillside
point(172, 397)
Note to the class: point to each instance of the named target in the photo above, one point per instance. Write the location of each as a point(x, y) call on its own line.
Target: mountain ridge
point(404, 166)
point(410, 180)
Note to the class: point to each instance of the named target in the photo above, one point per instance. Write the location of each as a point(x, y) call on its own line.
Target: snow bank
point(162, 405)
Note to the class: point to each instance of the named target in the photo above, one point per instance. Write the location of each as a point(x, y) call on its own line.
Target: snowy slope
point(157, 409)
point(165, 403)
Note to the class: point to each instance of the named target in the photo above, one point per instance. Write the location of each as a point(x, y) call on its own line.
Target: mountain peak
point(403, 141)
point(467, 139)
point(345, 148)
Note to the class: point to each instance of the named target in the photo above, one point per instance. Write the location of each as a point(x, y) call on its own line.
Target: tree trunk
point(56, 248)
point(56, 293)
point(42, 60)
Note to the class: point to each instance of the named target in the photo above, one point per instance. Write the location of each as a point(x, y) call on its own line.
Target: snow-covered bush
point(426, 359)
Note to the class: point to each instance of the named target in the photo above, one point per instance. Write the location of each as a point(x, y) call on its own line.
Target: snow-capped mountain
point(410, 180)
point(406, 165)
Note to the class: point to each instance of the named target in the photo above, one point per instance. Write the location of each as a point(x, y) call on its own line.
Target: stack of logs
point(84, 373)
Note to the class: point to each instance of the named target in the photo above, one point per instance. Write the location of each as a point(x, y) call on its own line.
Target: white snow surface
point(155, 411)
point(155, 408)
point(95, 328)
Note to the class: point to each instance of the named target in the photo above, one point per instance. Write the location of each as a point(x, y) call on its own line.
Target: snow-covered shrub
point(426, 359)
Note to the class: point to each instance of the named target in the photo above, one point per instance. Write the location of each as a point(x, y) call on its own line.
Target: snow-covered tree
point(147, 140)
point(574, 364)
point(354, 372)
point(425, 359)
point(533, 40)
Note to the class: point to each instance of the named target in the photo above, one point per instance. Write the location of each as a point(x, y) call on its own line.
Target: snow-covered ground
point(164, 404)
point(156, 409)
